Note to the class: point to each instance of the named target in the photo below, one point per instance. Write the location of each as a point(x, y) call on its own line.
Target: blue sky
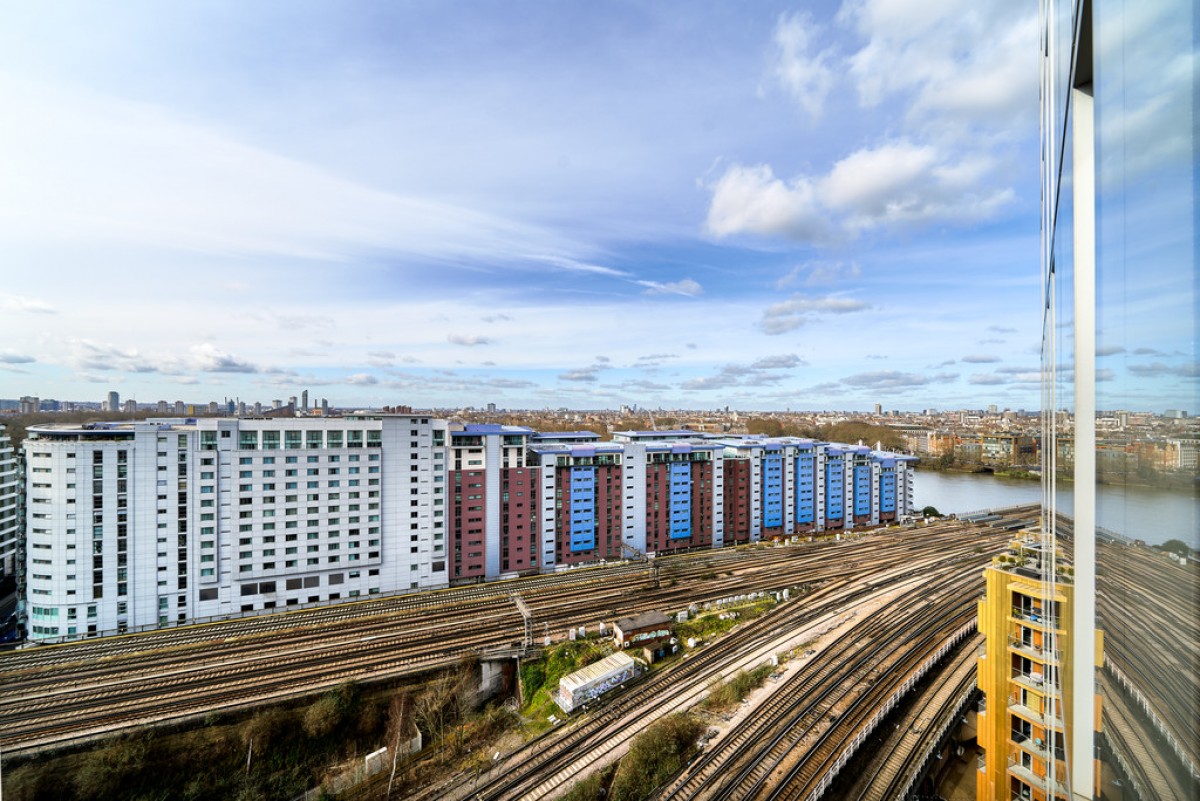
point(766, 206)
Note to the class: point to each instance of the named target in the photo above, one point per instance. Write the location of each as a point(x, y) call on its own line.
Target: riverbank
point(1152, 514)
point(1173, 481)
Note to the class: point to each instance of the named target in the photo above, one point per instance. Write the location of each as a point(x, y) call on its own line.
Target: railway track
point(544, 766)
point(1134, 746)
point(793, 742)
point(1149, 609)
point(900, 758)
point(63, 695)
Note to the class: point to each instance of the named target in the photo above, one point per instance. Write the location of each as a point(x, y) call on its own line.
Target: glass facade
point(1120, 389)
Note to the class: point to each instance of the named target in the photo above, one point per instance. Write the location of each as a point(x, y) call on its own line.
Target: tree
point(1176, 546)
point(930, 511)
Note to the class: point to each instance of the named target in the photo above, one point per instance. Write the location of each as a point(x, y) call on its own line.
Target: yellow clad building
point(1026, 676)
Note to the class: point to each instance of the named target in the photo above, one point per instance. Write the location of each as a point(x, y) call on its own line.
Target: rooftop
point(597, 670)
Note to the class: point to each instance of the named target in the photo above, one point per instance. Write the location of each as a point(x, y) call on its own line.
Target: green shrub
point(655, 756)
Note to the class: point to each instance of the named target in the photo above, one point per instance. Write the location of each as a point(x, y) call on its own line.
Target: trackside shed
point(589, 683)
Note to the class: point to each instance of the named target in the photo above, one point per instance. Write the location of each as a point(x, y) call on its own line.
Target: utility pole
point(527, 615)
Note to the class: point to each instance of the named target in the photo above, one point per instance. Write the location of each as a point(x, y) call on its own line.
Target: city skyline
point(686, 206)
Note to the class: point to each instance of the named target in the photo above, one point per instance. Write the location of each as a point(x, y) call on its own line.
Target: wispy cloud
point(12, 357)
point(807, 76)
point(686, 287)
point(21, 303)
point(788, 315)
point(1156, 369)
point(895, 380)
point(819, 273)
point(469, 340)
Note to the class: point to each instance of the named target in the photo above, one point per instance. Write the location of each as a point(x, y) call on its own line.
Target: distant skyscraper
point(304, 400)
point(30, 404)
point(180, 408)
point(113, 403)
point(162, 407)
point(878, 409)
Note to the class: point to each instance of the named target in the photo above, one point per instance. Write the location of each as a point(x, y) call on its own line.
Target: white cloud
point(21, 303)
point(361, 380)
point(784, 361)
point(381, 358)
point(895, 380)
point(210, 359)
point(819, 273)
point(894, 185)
point(587, 374)
point(752, 200)
point(165, 182)
point(12, 357)
point(686, 287)
point(807, 78)
point(788, 315)
point(977, 358)
point(914, 49)
point(470, 340)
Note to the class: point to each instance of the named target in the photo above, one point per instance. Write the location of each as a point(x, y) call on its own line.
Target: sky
point(676, 204)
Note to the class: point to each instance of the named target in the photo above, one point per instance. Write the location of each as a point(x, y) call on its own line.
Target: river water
point(1152, 515)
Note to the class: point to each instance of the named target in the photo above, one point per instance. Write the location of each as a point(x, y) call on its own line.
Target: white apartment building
point(10, 489)
point(138, 525)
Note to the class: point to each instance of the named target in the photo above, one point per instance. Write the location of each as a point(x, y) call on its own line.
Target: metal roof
point(596, 671)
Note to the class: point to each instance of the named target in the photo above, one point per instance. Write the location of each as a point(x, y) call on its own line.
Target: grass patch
point(708, 625)
point(724, 695)
point(539, 678)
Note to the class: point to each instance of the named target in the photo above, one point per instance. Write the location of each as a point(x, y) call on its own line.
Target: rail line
point(1151, 777)
point(541, 767)
point(793, 741)
point(902, 756)
point(63, 695)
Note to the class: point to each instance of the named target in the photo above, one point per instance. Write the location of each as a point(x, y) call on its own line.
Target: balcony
point(1032, 745)
point(1027, 712)
point(1033, 652)
point(1028, 777)
point(1034, 617)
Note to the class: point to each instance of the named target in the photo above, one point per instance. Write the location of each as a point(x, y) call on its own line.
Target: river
point(1146, 514)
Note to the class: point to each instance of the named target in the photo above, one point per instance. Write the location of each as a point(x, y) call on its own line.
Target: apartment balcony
point(1035, 746)
point(1027, 712)
point(1035, 681)
point(1045, 784)
point(1031, 651)
point(1034, 618)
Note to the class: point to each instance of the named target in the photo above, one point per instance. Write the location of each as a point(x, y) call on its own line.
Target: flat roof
point(491, 428)
point(643, 621)
point(607, 666)
point(574, 435)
